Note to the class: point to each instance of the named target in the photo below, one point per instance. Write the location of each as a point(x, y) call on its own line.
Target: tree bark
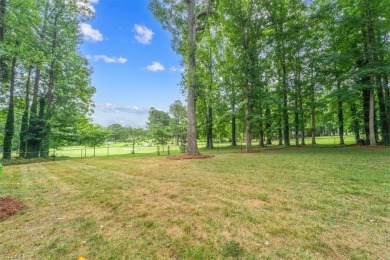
point(268, 124)
point(313, 116)
point(3, 63)
point(192, 148)
point(302, 121)
point(35, 124)
point(383, 117)
point(209, 119)
point(24, 125)
point(387, 101)
point(296, 116)
point(340, 115)
point(372, 119)
point(286, 126)
point(248, 132)
point(234, 136)
point(3, 4)
point(280, 128)
point(192, 145)
point(371, 58)
point(261, 127)
point(355, 121)
point(9, 125)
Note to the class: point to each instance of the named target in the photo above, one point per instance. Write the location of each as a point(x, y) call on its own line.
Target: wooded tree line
point(45, 87)
point(283, 69)
point(165, 126)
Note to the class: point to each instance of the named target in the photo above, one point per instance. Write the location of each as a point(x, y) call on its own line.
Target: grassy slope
point(282, 203)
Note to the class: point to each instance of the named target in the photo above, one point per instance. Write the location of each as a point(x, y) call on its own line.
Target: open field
point(293, 203)
point(121, 148)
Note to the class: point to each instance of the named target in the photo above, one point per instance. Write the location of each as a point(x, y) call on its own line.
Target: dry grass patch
point(9, 206)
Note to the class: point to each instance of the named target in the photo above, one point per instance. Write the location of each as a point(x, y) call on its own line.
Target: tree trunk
point(45, 145)
point(341, 121)
point(24, 125)
point(248, 111)
point(280, 129)
point(9, 125)
point(248, 132)
point(261, 128)
point(296, 118)
point(3, 4)
point(302, 121)
point(234, 136)
point(192, 144)
point(383, 117)
point(34, 104)
point(371, 57)
point(209, 128)
point(177, 136)
point(286, 126)
point(366, 113)
point(268, 124)
point(372, 119)
point(3, 64)
point(355, 121)
point(340, 115)
point(33, 143)
point(44, 137)
point(387, 101)
point(313, 115)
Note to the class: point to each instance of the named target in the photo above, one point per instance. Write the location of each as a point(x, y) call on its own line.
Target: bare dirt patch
point(9, 206)
point(187, 157)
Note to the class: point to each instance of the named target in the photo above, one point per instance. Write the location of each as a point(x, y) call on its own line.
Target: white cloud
point(144, 35)
point(107, 114)
point(176, 69)
point(107, 59)
point(112, 108)
point(91, 33)
point(155, 66)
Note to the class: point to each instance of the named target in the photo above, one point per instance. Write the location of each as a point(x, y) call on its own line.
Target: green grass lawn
point(116, 149)
point(127, 149)
point(293, 203)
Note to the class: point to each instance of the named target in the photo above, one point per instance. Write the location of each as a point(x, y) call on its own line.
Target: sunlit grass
point(305, 203)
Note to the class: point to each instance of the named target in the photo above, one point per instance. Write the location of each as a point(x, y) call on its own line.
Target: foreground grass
point(283, 203)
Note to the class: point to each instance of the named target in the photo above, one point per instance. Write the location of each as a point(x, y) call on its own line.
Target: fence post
point(169, 152)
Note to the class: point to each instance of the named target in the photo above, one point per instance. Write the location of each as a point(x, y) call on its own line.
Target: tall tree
point(173, 14)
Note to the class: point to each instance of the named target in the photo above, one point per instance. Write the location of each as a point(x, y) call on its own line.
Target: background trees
point(288, 69)
point(45, 80)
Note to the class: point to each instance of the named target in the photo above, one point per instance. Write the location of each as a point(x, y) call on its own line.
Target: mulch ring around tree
point(9, 206)
point(187, 157)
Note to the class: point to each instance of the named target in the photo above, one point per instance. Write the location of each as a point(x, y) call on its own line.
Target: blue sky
point(134, 65)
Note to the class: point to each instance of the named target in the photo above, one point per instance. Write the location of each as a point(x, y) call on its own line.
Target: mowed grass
point(294, 203)
point(121, 148)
